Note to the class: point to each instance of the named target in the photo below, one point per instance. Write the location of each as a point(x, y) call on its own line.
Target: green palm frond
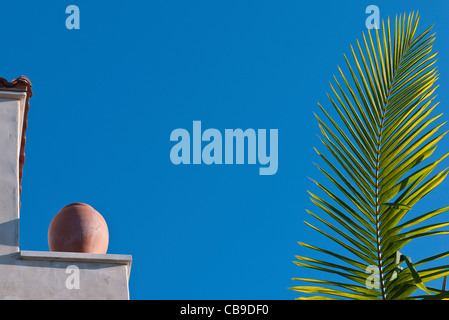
point(377, 135)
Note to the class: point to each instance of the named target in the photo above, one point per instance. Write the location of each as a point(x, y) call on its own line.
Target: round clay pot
point(78, 228)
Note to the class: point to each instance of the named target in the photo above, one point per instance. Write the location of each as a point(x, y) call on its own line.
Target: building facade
point(36, 274)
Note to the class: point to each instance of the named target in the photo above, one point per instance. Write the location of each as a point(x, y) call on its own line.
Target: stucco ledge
point(117, 259)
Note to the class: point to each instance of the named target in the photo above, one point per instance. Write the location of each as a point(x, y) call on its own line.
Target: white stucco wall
point(60, 275)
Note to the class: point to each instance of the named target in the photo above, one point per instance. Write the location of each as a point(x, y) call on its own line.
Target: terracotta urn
point(78, 228)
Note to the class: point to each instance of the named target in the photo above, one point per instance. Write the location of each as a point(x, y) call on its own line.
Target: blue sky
point(107, 96)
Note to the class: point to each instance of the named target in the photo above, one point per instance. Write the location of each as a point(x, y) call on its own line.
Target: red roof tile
point(20, 84)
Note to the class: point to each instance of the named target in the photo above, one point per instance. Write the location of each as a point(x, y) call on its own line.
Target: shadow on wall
point(9, 232)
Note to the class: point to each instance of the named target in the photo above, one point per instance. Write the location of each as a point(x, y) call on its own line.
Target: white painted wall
point(11, 114)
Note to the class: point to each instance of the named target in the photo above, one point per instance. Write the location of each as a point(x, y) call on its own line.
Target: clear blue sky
point(107, 96)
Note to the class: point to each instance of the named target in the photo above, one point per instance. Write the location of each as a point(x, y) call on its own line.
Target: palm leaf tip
point(378, 134)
